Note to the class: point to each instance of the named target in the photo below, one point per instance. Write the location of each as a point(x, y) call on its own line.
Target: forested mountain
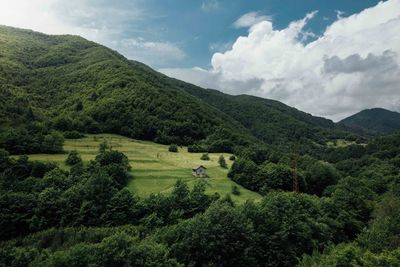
point(345, 212)
point(376, 121)
point(67, 83)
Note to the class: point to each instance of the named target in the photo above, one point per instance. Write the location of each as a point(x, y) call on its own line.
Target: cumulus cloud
point(353, 65)
point(101, 21)
point(250, 19)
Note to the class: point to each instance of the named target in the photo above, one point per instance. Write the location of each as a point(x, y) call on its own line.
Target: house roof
point(197, 167)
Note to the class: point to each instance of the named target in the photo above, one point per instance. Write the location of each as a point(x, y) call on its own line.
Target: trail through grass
point(154, 169)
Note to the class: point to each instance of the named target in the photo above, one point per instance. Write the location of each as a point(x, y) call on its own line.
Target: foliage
point(173, 148)
point(73, 135)
point(374, 121)
point(73, 158)
point(70, 84)
point(351, 255)
point(235, 190)
point(222, 162)
point(205, 157)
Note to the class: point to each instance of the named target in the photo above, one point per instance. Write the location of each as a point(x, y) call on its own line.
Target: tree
point(73, 158)
point(205, 157)
point(53, 143)
point(235, 190)
point(121, 209)
point(30, 116)
point(243, 172)
point(221, 236)
point(288, 225)
point(79, 106)
point(173, 148)
point(222, 162)
point(273, 176)
point(350, 205)
point(180, 195)
point(103, 147)
point(319, 175)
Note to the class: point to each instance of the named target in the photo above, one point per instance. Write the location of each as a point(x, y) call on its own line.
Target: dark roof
point(197, 167)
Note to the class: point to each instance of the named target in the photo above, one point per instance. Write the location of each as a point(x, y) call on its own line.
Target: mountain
point(67, 83)
point(70, 83)
point(376, 121)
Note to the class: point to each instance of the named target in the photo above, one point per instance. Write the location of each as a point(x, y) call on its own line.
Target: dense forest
point(375, 121)
point(63, 87)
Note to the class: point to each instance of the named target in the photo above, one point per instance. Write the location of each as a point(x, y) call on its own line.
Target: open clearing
point(154, 169)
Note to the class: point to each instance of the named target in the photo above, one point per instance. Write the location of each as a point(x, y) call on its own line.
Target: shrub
point(73, 158)
point(196, 149)
point(232, 158)
point(222, 162)
point(173, 148)
point(73, 135)
point(205, 157)
point(235, 190)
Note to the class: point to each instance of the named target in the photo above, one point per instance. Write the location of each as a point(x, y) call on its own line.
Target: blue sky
point(200, 28)
point(329, 58)
point(195, 29)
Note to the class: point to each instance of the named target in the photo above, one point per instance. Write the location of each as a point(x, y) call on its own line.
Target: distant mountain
point(375, 121)
point(65, 82)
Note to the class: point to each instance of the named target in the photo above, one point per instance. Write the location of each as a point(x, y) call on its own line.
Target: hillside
point(375, 121)
point(68, 83)
point(154, 169)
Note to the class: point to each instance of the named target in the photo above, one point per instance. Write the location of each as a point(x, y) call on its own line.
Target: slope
point(376, 121)
point(154, 169)
point(69, 83)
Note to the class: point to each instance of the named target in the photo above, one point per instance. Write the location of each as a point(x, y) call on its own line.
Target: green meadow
point(154, 169)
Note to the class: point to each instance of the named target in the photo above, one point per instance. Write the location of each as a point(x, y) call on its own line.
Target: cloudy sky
point(329, 58)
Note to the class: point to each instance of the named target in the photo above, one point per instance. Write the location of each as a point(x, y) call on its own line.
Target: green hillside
point(69, 83)
point(61, 94)
point(374, 121)
point(154, 169)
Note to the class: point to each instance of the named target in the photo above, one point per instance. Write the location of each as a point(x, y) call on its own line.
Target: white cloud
point(209, 5)
point(250, 19)
point(220, 46)
point(152, 53)
point(97, 20)
point(353, 65)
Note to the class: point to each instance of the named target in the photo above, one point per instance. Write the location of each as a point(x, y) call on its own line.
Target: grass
point(340, 143)
point(154, 169)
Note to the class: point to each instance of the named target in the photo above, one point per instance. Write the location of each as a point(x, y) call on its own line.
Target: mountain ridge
point(68, 83)
point(377, 121)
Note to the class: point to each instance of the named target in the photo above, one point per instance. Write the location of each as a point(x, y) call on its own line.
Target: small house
point(199, 171)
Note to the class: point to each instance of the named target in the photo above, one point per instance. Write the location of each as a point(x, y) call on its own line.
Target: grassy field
point(341, 143)
point(154, 169)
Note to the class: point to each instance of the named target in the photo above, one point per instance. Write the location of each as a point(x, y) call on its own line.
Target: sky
point(328, 58)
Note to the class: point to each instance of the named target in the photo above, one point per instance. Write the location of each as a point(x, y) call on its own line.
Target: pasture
point(154, 169)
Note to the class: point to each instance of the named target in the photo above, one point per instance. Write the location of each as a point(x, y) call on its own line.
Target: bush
point(222, 162)
point(73, 135)
point(232, 158)
point(235, 190)
point(196, 149)
point(173, 148)
point(73, 158)
point(205, 157)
